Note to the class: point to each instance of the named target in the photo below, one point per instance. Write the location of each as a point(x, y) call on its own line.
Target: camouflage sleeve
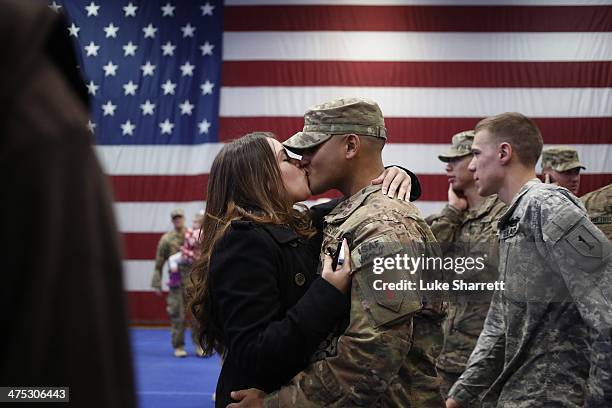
point(370, 352)
point(583, 256)
point(161, 256)
point(486, 361)
point(444, 224)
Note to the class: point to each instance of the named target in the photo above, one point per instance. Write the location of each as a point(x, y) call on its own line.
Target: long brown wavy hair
point(244, 184)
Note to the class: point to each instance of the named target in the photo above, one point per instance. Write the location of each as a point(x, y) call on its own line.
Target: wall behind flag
point(193, 75)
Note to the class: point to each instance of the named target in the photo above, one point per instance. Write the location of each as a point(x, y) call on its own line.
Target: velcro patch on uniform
point(584, 242)
point(587, 246)
point(378, 247)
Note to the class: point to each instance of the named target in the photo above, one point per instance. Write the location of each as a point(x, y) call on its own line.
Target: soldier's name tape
point(436, 285)
point(34, 394)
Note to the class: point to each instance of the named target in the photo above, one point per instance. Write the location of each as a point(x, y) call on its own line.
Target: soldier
point(560, 165)
point(546, 340)
point(169, 244)
point(467, 225)
point(384, 355)
point(598, 204)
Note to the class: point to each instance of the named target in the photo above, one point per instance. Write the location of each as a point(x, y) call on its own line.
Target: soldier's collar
point(349, 205)
point(526, 187)
point(484, 208)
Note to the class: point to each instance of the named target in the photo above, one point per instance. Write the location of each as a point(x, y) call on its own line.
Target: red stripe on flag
point(140, 188)
point(147, 308)
point(430, 130)
point(419, 18)
point(418, 74)
point(140, 246)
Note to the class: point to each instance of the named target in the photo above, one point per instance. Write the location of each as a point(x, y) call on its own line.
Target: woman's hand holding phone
point(341, 277)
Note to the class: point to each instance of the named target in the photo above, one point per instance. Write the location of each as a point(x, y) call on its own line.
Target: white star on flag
point(130, 88)
point(207, 9)
point(110, 69)
point(204, 125)
point(130, 10)
point(109, 108)
point(129, 49)
point(166, 126)
point(168, 49)
point(207, 48)
point(111, 30)
point(168, 10)
point(207, 87)
point(188, 30)
point(149, 31)
point(127, 128)
point(147, 107)
point(147, 69)
point(187, 69)
point(168, 87)
point(92, 9)
point(55, 7)
point(186, 108)
point(92, 88)
point(73, 30)
point(92, 49)
point(91, 126)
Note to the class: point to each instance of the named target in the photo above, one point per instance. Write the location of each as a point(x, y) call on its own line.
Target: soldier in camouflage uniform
point(169, 244)
point(598, 204)
point(546, 340)
point(560, 165)
point(384, 355)
point(466, 226)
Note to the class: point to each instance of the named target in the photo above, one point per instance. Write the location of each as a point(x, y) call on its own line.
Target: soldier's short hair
point(517, 130)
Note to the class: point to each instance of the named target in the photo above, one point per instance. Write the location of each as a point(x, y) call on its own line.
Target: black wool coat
point(270, 305)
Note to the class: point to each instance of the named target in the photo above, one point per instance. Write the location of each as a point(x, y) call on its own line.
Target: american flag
point(172, 81)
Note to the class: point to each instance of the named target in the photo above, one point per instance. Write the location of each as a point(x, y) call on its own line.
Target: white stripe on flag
point(422, 102)
point(416, 46)
point(182, 160)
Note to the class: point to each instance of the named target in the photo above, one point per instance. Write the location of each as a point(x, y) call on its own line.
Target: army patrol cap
point(360, 116)
point(177, 212)
point(461, 146)
point(562, 158)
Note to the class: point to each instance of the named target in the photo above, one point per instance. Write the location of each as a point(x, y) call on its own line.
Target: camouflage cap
point(461, 146)
point(360, 116)
point(561, 158)
point(177, 212)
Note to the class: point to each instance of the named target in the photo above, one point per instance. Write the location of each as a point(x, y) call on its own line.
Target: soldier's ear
point(504, 153)
point(352, 146)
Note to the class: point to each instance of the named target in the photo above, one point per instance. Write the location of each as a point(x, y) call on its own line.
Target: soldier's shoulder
point(600, 196)
point(495, 207)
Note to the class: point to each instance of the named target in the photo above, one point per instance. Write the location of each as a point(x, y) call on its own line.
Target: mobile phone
point(338, 256)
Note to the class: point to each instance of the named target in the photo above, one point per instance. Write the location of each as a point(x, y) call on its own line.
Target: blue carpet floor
point(164, 381)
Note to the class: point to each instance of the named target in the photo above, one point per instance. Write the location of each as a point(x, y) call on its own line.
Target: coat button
point(293, 244)
point(300, 279)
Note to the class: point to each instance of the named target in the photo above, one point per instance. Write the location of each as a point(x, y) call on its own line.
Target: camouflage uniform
point(169, 244)
point(561, 158)
point(598, 204)
point(384, 355)
point(546, 340)
point(475, 232)
point(465, 233)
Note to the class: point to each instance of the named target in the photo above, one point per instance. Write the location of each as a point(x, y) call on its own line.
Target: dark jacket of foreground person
point(61, 298)
point(270, 305)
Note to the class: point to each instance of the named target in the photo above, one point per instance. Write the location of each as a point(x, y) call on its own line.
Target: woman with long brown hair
point(255, 291)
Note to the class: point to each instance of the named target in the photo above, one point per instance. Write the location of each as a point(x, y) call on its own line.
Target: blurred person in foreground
point(62, 300)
